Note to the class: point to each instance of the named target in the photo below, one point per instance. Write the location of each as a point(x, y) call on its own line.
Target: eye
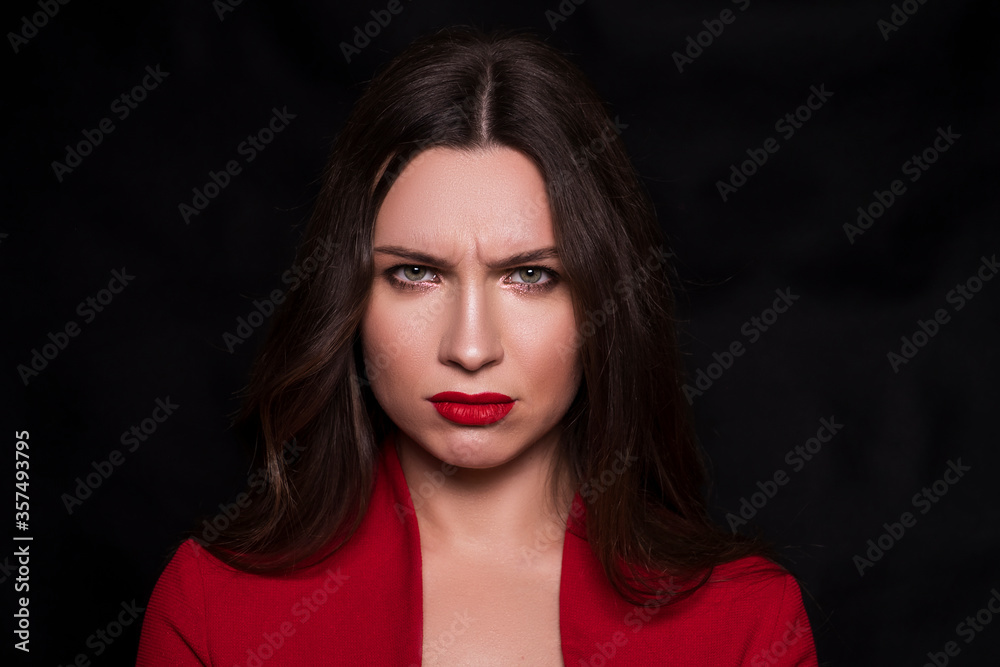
point(411, 273)
point(530, 275)
point(410, 276)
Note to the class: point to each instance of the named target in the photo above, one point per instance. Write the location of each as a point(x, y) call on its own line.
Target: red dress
point(364, 606)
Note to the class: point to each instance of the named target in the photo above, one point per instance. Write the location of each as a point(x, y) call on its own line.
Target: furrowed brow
point(422, 258)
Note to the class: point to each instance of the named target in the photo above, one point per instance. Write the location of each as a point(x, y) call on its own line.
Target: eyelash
point(526, 287)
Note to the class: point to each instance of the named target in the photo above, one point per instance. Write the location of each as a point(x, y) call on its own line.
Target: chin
point(476, 453)
point(482, 447)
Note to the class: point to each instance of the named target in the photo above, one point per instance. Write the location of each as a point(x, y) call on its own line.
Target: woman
point(494, 462)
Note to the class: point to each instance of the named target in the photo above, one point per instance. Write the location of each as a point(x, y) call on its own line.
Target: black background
point(826, 357)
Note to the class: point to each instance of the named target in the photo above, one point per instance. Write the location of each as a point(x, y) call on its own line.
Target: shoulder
point(200, 580)
point(748, 612)
point(751, 577)
point(754, 581)
point(173, 626)
point(202, 610)
point(188, 571)
point(759, 605)
point(181, 578)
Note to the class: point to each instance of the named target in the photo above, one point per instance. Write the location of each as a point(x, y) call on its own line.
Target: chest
point(482, 611)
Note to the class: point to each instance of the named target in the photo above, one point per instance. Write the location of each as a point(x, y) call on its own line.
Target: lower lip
point(473, 414)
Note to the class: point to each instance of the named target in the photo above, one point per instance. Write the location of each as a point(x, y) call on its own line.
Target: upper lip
point(476, 399)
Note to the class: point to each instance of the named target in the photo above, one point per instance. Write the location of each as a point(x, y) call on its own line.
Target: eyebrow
point(422, 258)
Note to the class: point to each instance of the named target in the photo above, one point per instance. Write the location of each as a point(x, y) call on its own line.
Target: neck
point(503, 510)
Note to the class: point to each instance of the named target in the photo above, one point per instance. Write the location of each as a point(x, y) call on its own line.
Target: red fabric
point(364, 606)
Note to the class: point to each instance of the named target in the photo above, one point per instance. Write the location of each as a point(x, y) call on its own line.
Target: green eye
point(529, 274)
point(411, 276)
point(414, 272)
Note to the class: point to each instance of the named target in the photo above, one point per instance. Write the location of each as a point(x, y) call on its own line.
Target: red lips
point(472, 409)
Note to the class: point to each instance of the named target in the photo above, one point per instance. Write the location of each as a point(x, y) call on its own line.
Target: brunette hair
point(464, 89)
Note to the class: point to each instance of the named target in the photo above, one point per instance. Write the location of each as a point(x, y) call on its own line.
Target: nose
point(473, 324)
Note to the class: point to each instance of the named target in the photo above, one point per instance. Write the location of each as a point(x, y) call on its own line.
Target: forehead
point(447, 197)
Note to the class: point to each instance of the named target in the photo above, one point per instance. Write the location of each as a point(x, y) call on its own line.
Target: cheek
point(393, 342)
point(377, 345)
point(548, 346)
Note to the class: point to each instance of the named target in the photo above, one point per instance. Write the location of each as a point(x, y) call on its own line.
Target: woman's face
point(467, 297)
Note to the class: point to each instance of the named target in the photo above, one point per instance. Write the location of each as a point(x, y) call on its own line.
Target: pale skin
point(477, 319)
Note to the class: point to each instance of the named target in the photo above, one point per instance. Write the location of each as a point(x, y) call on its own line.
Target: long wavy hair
point(465, 89)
